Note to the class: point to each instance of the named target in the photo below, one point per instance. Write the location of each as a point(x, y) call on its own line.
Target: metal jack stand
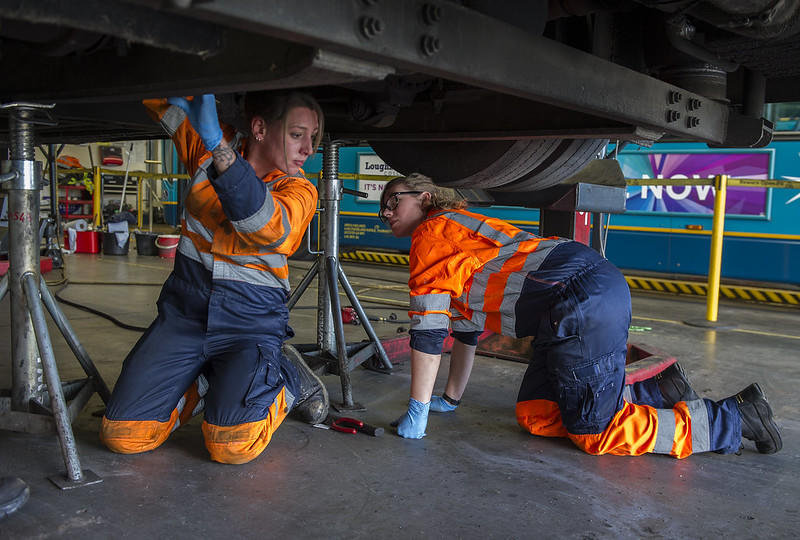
point(337, 356)
point(34, 406)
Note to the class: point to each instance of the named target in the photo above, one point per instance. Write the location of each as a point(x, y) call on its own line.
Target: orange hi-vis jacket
point(471, 268)
point(231, 235)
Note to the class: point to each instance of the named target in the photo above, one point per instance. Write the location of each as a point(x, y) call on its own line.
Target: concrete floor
point(476, 474)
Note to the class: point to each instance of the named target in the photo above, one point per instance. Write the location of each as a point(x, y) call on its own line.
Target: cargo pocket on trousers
point(607, 390)
point(267, 380)
point(588, 396)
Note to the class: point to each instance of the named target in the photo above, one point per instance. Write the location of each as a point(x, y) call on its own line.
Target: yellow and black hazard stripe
point(734, 292)
point(380, 257)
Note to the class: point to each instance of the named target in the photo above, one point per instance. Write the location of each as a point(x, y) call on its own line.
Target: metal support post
point(23, 256)
point(57, 402)
point(330, 186)
point(36, 386)
point(331, 346)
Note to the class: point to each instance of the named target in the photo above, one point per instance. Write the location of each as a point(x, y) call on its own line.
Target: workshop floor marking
point(740, 330)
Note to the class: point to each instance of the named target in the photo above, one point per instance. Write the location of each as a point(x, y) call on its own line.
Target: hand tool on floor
point(344, 424)
point(347, 425)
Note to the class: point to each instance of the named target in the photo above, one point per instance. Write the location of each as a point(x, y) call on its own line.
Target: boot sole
point(769, 424)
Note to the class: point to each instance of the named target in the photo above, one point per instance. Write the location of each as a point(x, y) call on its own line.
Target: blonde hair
point(442, 198)
point(275, 106)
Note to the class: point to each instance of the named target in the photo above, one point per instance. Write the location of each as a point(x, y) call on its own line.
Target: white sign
point(373, 165)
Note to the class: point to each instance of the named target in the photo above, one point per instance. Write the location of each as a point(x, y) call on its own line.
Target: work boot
point(674, 385)
point(13, 494)
point(311, 403)
point(757, 422)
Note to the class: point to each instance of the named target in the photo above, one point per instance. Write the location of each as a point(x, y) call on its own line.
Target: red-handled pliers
point(347, 425)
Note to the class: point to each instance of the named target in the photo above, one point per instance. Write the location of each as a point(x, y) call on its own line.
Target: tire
point(522, 165)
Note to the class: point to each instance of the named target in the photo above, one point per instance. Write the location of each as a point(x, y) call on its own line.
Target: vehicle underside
point(511, 96)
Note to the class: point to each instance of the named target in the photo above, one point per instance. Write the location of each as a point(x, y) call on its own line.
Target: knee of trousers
point(242, 443)
point(540, 417)
point(135, 436)
point(236, 445)
point(630, 432)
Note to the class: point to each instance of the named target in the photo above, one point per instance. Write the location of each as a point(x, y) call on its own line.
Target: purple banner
point(695, 199)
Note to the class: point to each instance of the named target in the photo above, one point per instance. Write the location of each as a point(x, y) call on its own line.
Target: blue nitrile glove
point(412, 424)
point(202, 114)
point(438, 404)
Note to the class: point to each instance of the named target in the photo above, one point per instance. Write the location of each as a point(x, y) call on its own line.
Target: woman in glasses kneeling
point(471, 273)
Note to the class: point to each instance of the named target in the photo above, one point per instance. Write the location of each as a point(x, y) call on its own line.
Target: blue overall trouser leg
point(579, 362)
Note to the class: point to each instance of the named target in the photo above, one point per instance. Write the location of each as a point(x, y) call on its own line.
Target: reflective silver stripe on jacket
point(172, 119)
point(253, 225)
point(234, 272)
point(262, 216)
point(464, 325)
point(431, 321)
point(279, 178)
point(479, 318)
point(513, 288)
point(196, 227)
point(430, 302)
point(187, 248)
point(221, 269)
point(516, 282)
point(272, 260)
point(479, 226)
point(481, 279)
point(201, 174)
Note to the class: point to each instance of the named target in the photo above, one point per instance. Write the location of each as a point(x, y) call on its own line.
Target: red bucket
point(167, 245)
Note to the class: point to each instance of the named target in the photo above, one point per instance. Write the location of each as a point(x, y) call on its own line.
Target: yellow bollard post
point(97, 198)
point(715, 259)
point(139, 203)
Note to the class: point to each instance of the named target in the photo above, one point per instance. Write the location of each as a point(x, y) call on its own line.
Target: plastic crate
point(85, 241)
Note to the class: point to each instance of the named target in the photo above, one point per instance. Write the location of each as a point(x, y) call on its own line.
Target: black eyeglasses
point(391, 203)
